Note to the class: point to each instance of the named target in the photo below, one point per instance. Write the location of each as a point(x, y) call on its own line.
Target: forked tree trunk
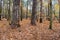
point(15, 20)
point(33, 16)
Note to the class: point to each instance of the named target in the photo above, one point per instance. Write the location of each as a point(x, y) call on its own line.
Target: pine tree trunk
point(33, 16)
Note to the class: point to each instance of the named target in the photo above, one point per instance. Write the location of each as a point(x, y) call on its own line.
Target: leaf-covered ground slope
point(28, 32)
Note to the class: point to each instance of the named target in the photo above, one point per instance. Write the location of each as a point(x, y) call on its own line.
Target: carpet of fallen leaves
point(28, 32)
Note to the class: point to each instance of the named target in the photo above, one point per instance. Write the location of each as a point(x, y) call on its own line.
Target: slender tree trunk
point(50, 26)
point(9, 11)
point(0, 9)
point(27, 10)
point(41, 11)
point(21, 11)
point(0, 16)
point(54, 15)
point(33, 16)
point(59, 10)
point(15, 20)
point(48, 12)
point(3, 9)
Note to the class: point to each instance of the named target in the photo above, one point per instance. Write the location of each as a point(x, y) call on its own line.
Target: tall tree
point(21, 10)
point(9, 10)
point(15, 14)
point(48, 11)
point(27, 10)
point(0, 8)
point(50, 26)
point(54, 13)
point(40, 11)
point(3, 8)
point(33, 16)
point(59, 10)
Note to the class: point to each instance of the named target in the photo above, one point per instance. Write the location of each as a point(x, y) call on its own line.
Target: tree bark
point(9, 16)
point(48, 12)
point(27, 10)
point(33, 16)
point(0, 9)
point(15, 16)
point(50, 26)
point(59, 10)
point(21, 11)
point(41, 11)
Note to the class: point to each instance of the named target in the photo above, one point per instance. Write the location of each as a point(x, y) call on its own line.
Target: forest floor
point(28, 32)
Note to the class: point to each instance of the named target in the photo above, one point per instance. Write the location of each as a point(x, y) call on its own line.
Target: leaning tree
point(15, 14)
